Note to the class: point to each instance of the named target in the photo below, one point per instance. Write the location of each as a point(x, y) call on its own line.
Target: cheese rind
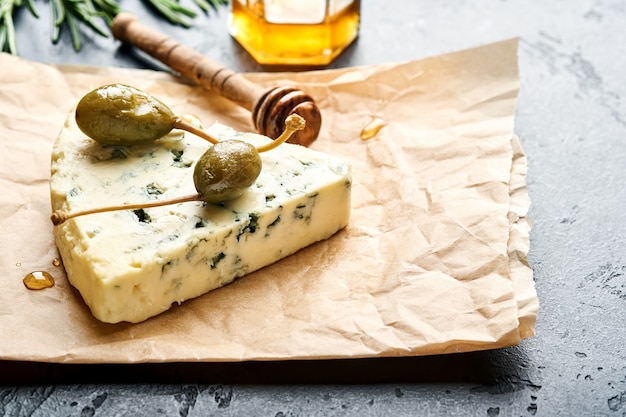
point(130, 265)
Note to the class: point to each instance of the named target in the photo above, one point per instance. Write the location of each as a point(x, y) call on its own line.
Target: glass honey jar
point(294, 32)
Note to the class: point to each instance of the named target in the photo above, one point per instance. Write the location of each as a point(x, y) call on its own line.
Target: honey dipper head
point(271, 110)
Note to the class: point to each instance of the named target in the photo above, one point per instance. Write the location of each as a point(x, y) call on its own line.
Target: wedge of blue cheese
point(134, 264)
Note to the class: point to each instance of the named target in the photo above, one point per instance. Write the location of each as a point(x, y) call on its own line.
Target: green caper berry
point(226, 170)
point(119, 114)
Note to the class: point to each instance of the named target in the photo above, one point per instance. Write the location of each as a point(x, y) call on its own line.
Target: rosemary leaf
point(57, 20)
point(31, 8)
point(74, 33)
point(10, 35)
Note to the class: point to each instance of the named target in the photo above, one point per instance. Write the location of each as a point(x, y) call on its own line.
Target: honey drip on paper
point(38, 280)
point(372, 128)
point(56, 262)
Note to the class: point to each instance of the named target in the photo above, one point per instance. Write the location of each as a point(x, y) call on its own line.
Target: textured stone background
point(571, 119)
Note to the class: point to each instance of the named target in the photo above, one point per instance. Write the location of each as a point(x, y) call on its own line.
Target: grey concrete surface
point(571, 118)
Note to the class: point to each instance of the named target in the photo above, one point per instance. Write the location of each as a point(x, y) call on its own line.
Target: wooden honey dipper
point(269, 108)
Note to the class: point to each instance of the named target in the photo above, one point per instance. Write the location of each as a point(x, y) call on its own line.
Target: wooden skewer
point(269, 108)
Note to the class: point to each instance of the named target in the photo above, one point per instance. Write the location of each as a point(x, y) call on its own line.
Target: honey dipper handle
point(269, 108)
point(186, 61)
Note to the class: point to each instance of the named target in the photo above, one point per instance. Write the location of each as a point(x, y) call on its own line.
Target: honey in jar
point(294, 32)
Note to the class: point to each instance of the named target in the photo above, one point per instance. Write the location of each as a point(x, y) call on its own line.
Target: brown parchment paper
point(434, 259)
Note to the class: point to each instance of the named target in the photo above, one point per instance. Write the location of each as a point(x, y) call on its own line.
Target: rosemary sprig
point(69, 13)
point(7, 28)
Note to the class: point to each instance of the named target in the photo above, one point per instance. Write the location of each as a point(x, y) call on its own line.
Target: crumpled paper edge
point(519, 243)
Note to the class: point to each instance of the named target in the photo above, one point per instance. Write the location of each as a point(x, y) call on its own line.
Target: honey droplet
point(56, 262)
point(38, 280)
point(372, 128)
point(18, 264)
